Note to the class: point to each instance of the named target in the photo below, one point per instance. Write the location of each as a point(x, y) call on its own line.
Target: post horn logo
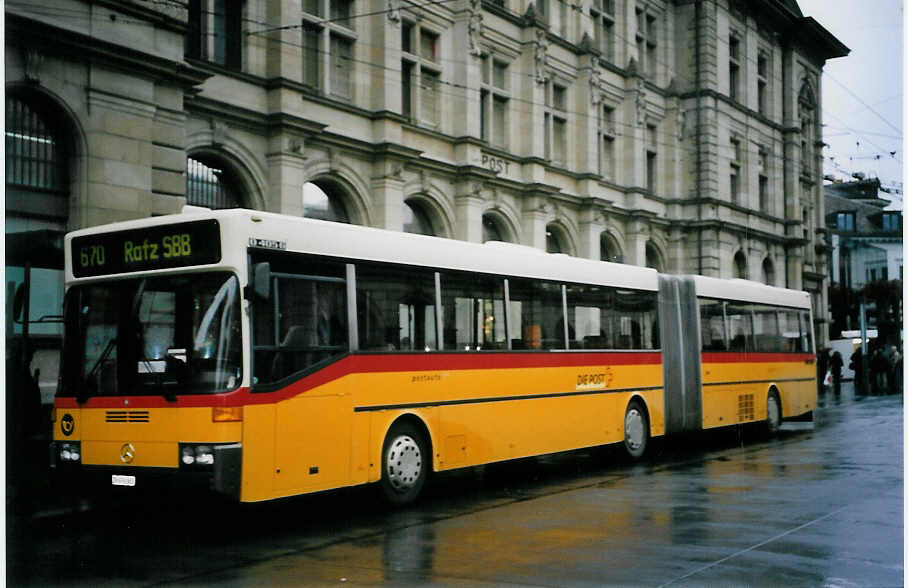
point(127, 453)
point(68, 424)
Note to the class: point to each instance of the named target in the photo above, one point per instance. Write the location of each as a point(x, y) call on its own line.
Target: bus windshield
point(163, 335)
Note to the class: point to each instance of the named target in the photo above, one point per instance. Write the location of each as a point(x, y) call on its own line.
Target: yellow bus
point(265, 356)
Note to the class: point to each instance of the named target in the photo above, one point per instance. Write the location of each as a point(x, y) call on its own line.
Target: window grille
point(209, 186)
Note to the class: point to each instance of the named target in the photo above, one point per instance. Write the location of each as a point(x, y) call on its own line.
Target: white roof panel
point(369, 244)
point(748, 291)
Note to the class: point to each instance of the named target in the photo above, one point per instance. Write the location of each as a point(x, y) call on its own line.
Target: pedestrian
point(886, 369)
point(895, 377)
point(878, 369)
point(822, 368)
point(856, 363)
point(835, 366)
point(899, 373)
point(23, 405)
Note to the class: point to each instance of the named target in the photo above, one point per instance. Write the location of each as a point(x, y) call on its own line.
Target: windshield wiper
point(90, 379)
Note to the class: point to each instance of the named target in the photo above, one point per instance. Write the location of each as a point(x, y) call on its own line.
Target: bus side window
point(806, 340)
point(740, 327)
point(304, 323)
point(767, 329)
point(312, 325)
point(712, 325)
point(473, 312)
point(537, 315)
point(588, 308)
point(636, 320)
point(395, 308)
point(791, 331)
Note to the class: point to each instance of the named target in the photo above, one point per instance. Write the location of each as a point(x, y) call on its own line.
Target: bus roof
point(346, 241)
point(748, 291)
point(497, 258)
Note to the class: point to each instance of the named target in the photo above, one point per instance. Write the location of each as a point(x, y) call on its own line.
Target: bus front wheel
point(636, 429)
point(405, 463)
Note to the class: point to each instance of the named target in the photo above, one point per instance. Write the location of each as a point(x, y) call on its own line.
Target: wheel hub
point(404, 463)
point(772, 409)
point(633, 429)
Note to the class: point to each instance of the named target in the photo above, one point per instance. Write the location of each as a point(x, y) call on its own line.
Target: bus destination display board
point(134, 250)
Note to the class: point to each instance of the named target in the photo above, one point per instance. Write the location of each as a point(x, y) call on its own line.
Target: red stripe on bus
point(754, 357)
point(379, 363)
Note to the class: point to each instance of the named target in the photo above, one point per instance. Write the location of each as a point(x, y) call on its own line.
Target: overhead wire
point(617, 36)
point(771, 153)
point(531, 104)
point(867, 106)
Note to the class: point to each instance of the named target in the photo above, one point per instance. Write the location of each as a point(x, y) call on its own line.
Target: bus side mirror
point(261, 280)
point(19, 302)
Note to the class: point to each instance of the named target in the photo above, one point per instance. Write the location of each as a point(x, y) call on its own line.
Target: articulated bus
point(264, 356)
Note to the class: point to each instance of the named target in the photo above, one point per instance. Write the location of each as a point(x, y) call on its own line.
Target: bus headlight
point(192, 454)
point(69, 452)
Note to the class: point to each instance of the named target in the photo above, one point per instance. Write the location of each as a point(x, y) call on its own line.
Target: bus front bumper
point(223, 475)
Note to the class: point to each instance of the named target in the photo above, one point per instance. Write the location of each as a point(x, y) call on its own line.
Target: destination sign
point(151, 248)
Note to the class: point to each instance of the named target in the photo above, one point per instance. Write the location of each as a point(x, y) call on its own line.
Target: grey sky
point(862, 93)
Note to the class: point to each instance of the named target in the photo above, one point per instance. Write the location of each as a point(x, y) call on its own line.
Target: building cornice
point(796, 29)
point(213, 69)
point(813, 39)
point(245, 118)
point(156, 16)
point(65, 44)
point(750, 232)
point(720, 97)
point(687, 202)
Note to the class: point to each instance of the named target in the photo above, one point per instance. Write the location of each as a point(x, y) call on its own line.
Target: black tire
point(773, 413)
point(636, 429)
point(405, 463)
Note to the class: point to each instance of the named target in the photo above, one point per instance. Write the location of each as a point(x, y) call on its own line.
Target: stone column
point(468, 205)
point(286, 178)
point(284, 50)
point(533, 219)
point(635, 244)
point(592, 224)
point(462, 99)
point(633, 142)
point(589, 100)
point(388, 195)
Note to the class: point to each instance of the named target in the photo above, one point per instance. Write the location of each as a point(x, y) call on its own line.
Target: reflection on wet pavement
point(819, 505)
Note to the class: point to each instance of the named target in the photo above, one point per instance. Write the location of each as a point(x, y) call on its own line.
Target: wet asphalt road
point(819, 505)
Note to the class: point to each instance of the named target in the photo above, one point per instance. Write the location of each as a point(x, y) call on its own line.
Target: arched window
point(416, 219)
point(609, 250)
point(653, 257)
point(37, 166)
point(740, 265)
point(769, 272)
point(324, 200)
point(211, 183)
point(555, 240)
point(39, 151)
point(491, 229)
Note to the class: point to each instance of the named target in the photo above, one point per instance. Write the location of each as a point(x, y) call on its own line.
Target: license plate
point(123, 480)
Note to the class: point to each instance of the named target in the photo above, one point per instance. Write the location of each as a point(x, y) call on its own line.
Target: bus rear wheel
point(636, 429)
point(405, 464)
point(773, 413)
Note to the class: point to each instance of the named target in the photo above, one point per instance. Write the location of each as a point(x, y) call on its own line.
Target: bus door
point(299, 329)
point(680, 328)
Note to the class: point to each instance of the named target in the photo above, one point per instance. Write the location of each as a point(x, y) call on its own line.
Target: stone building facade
point(682, 135)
